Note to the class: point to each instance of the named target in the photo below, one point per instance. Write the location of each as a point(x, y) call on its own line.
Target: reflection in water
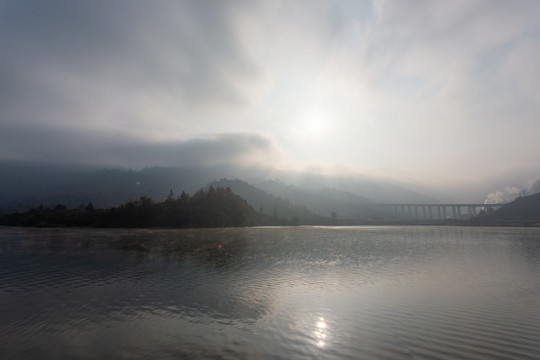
point(407, 292)
point(320, 332)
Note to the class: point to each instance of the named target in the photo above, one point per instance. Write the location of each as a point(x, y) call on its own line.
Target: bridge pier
point(427, 211)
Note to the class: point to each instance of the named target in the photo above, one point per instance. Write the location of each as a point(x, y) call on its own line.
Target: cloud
point(444, 91)
point(242, 149)
point(124, 65)
point(455, 79)
point(68, 146)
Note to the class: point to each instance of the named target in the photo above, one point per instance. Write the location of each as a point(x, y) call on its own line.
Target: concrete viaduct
point(435, 211)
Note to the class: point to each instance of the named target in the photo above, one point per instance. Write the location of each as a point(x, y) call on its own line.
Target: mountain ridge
point(24, 185)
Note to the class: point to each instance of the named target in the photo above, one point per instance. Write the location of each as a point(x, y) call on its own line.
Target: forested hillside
point(216, 207)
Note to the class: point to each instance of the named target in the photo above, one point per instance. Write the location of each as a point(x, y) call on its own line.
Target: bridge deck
point(435, 211)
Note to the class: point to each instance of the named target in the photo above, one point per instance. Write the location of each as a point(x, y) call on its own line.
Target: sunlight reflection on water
point(320, 332)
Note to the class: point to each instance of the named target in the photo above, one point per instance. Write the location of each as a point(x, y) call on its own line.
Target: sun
point(316, 127)
point(312, 124)
point(315, 123)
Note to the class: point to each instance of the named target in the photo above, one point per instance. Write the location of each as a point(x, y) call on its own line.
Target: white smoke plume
point(503, 196)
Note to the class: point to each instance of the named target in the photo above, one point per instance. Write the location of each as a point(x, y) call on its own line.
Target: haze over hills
point(264, 202)
point(290, 201)
point(24, 185)
point(323, 201)
point(301, 194)
point(534, 189)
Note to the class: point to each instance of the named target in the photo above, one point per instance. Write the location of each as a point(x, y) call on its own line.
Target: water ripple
point(381, 292)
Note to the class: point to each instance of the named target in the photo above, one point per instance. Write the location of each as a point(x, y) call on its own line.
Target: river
point(270, 293)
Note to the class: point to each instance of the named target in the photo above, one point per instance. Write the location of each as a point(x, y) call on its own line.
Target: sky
point(426, 91)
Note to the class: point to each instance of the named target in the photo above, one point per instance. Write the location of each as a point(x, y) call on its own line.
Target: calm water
point(270, 293)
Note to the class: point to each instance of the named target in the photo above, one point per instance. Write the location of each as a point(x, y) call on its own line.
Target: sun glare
point(320, 332)
point(315, 127)
point(314, 123)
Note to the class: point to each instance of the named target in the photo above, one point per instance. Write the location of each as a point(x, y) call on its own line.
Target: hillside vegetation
point(212, 208)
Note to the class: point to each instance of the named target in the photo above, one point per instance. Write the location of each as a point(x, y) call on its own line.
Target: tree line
point(214, 207)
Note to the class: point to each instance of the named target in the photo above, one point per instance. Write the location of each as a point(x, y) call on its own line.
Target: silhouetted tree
point(184, 197)
point(217, 207)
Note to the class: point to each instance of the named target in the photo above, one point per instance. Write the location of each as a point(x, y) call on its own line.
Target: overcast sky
point(415, 89)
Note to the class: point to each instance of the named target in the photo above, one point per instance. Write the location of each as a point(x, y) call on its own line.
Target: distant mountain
point(377, 190)
point(322, 201)
point(534, 189)
point(266, 203)
point(289, 201)
point(26, 185)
